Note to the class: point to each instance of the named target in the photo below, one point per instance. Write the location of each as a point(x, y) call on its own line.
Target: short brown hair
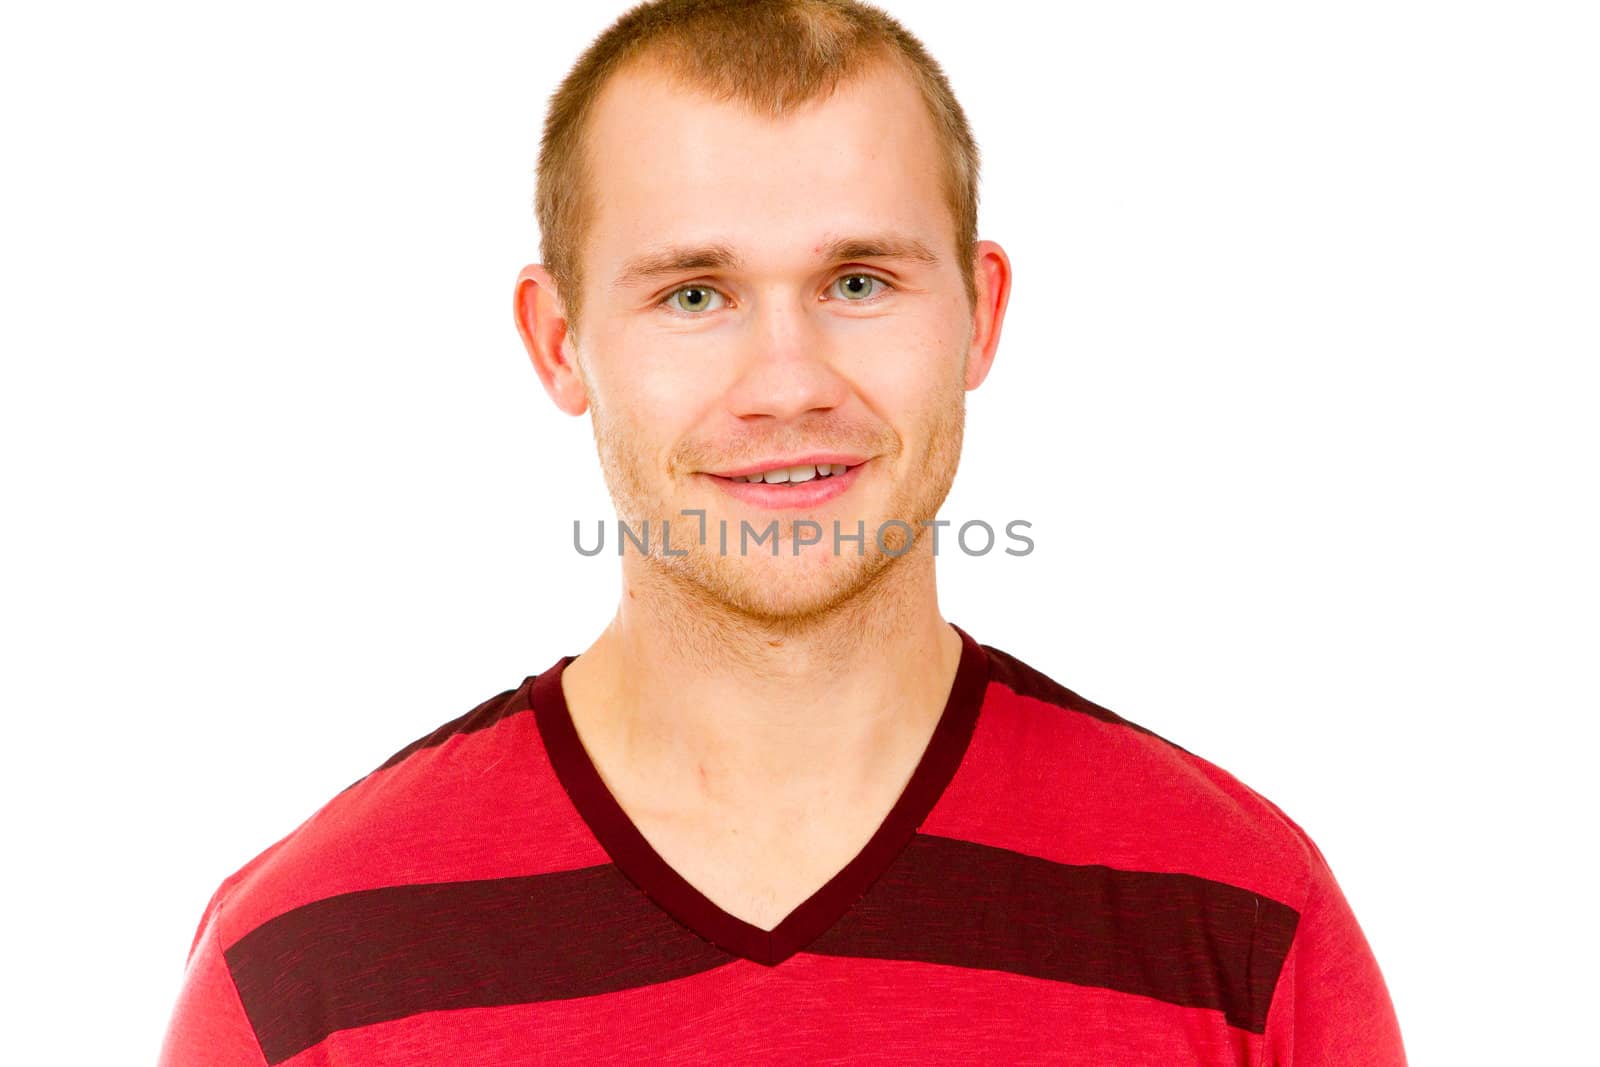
point(771, 55)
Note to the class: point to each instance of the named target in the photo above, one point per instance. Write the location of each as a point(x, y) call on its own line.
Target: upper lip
point(849, 459)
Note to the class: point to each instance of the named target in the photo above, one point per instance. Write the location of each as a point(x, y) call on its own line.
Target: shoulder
point(1150, 829)
point(471, 800)
point(1086, 785)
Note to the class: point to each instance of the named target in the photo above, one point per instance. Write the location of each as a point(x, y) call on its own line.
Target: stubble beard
point(786, 592)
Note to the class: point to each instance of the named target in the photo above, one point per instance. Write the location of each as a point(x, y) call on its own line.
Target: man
point(780, 810)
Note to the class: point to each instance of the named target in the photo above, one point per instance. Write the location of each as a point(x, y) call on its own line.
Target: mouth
point(794, 485)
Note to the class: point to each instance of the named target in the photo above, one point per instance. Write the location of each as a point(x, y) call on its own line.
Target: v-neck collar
point(643, 866)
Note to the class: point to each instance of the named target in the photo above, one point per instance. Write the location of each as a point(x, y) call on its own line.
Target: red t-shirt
point(1055, 884)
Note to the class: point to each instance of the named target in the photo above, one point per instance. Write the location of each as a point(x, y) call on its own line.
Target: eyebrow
point(682, 259)
point(675, 260)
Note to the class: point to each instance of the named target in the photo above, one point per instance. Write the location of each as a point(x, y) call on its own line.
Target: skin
point(750, 710)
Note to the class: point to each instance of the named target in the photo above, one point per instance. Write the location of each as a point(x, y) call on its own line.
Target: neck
point(702, 708)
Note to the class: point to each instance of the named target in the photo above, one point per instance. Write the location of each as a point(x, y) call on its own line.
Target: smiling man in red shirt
point(780, 809)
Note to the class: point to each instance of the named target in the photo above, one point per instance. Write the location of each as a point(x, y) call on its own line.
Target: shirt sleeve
point(208, 1027)
point(1331, 1006)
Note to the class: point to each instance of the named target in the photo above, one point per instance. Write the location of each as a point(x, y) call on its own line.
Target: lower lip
point(808, 494)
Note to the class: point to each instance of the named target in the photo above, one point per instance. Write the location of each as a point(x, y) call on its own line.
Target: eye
point(857, 288)
point(694, 299)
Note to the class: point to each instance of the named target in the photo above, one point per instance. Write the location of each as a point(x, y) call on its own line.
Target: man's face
point(759, 292)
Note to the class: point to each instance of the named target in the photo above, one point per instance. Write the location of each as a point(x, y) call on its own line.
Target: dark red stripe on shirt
point(1175, 937)
point(381, 954)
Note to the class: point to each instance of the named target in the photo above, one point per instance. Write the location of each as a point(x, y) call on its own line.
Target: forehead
point(670, 164)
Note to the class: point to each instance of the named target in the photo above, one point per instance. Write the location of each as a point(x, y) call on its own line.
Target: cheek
point(912, 370)
point(670, 394)
point(659, 387)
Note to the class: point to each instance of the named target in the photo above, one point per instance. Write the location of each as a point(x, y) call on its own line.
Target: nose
point(786, 364)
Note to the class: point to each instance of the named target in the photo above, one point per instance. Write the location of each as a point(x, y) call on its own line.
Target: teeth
point(803, 473)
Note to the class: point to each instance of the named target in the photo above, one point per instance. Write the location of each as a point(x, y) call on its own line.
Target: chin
point(780, 589)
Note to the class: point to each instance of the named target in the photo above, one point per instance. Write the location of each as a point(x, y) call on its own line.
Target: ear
point(542, 322)
point(992, 276)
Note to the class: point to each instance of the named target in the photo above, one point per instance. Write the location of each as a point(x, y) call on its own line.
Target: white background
point(1297, 389)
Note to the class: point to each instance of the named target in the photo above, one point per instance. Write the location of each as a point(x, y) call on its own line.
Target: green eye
point(857, 287)
point(694, 299)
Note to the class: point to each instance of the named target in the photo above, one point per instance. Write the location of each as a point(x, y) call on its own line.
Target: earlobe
point(542, 324)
